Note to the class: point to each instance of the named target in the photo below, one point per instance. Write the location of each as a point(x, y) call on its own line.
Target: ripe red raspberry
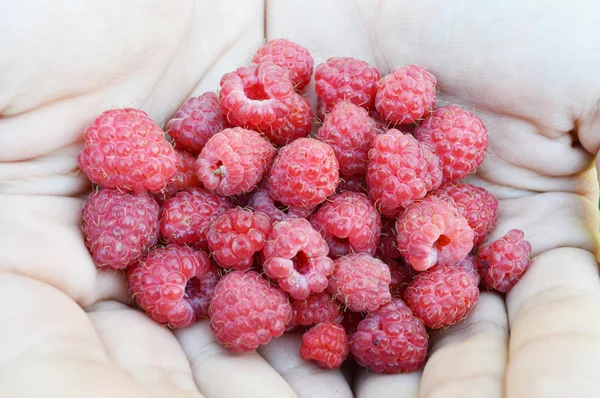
point(316, 308)
point(326, 344)
point(184, 178)
point(159, 283)
point(503, 262)
point(349, 223)
point(234, 161)
point(401, 170)
point(349, 130)
point(291, 57)
point(185, 218)
point(388, 242)
point(361, 282)
point(457, 137)
point(346, 79)
point(119, 228)
point(470, 264)
point(295, 256)
point(198, 119)
point(304, 173)
point(124, 149)
point(400, 277)
point(199, 291)
point(477, 205)
point(442, 296)
point(297, 125)
point(236, 235)
point(406, 95)
point(261, 201)
point(352, 184)
point(351, 321)
point(390, 340)
point(247, 311)
point(257, 97)
point(431, 232)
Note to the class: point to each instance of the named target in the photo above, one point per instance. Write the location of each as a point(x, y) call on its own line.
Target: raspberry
point(388, 242)
point(503, 262)
point(361, 282)
point(352, 184)
point(326, 344)
point(401, 170)
point(349, 223)
point(469, 264)
point(159, 283)
point(236, 235)
point(400, 277)
point(246, 311)
point(351, 321)
point(124, 149)
point(199, 291)
point(442, 296)
point(406, 95)
point(457, 137)
point(185, 178)
point(349, 130)
point(477, 205)
point(304, 173)
point(291, 57)
point(390, 340)
point(257, 97)
point(346, 79)
point(119, 228)
point(261, 201)
point(297, 125)
point(234, 161)
point(295, 256)
point(185, 218)
point(316, 308)
point(431, 232)
point(198, 119)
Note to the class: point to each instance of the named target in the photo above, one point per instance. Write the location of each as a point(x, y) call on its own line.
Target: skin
point(529, 69)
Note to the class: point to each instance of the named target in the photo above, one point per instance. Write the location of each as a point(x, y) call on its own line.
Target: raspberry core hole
point(443, 240)
point(192, 288)
point(256, 92)
point(302, 262)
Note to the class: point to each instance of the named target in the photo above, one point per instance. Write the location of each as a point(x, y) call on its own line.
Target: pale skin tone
point(530, 70)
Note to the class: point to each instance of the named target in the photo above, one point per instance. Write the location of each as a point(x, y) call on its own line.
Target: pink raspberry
point(159, 283)
point(236, 235)
point(326, 344)
point(295, 256)
point(124, 149)
point(406, 95)
point(477, 205)
point(304, 173)
point(296, 125)
point(119, 228)
point(349, 130)
point(390, 340)
point(234, 161)
point(186, 217)
point(503, 262)
point(352, 184)
point(457, 137)
point(361, 282)
point(261, 201)
point(247, 311)
point(401, 170)
point(257, 97)
point(184, 178)
point(469, 264)
point(291, 57)
point(198, 119)
point(388, 242)
point(442, 296)
point(431, 232)
point(400, 277)
point(316, 308)
point(346, 79)
point(349, 223)
point(199, 291)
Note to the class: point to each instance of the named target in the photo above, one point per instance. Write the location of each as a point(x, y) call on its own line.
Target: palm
point(115, 57)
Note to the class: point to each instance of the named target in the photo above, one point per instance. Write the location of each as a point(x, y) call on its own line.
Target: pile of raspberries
point(358, 232)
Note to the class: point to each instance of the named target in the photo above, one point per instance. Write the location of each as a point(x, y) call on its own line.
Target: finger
point(145, 350)
point(306, 378)
point(468, 359)
point(213, 367)
point(369, 384)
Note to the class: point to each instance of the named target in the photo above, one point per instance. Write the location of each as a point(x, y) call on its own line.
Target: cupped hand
point(527, 68)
